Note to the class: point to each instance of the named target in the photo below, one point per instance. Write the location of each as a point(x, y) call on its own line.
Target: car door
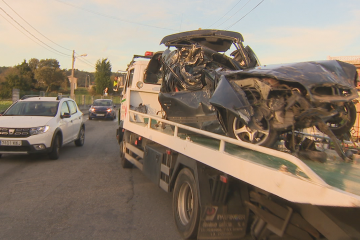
point(76, 118)
point(66, 123)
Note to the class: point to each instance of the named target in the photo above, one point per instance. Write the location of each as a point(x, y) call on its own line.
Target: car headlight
point(108, 110)
point(92, 109)
point(38, 130)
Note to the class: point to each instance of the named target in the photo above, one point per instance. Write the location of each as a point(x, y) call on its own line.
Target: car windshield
point(102, 103)
point(33, 108)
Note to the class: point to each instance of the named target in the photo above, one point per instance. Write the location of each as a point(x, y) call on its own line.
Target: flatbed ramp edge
point(304, 187)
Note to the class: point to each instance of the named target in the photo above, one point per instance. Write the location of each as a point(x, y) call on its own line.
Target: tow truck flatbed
point(287, 176)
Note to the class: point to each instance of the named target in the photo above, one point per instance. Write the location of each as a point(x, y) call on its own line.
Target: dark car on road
point(102, 109)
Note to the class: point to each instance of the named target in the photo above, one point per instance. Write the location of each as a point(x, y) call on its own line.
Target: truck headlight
point(38, 130)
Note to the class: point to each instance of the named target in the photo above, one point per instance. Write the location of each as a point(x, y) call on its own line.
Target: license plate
point(100, 115)
point(10, 143)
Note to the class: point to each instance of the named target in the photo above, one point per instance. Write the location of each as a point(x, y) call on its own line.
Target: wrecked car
point(234, 95)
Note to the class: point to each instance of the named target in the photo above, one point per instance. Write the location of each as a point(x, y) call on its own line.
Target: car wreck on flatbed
point(234, 95)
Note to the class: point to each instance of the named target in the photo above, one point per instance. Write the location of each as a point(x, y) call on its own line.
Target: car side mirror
point(114, 106)
point(65, 115)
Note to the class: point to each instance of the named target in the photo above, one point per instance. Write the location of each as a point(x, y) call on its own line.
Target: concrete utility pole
point(72, 78)
point(72, 93)
point(86, 80)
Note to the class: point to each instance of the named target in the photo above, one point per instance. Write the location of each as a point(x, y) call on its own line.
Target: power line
point(34, 28)
point(28, 36)
point(244, 15)
point(116, 18)
point(85, 62)
point(33, 34)
point(225, 13)
point(234, 13)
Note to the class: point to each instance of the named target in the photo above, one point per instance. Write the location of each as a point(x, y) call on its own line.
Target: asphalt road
point(85, 194)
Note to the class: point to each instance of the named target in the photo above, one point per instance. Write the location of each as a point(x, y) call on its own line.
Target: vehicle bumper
point(101, 115)
point(34, 144)
point(25, 148)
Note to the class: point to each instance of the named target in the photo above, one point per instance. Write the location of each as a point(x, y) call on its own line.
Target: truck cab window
point(131, 76)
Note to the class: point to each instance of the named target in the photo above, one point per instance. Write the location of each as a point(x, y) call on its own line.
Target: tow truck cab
point(144, 87)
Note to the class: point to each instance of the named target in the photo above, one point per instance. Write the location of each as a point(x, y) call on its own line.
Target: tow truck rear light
point(223, 179)
point(147, 53)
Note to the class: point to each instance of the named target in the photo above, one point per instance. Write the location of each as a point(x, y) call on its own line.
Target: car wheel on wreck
point(263, 136)
point(344, 121)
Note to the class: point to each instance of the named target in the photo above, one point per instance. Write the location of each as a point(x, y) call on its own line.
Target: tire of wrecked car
point(266, 137)
point(340, 125)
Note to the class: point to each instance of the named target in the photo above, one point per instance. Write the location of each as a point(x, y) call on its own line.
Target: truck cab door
point(125, 95)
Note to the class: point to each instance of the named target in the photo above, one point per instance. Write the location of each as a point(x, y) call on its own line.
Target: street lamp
point(72, 87)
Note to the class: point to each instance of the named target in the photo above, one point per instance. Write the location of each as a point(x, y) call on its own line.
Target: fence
point(81, 100)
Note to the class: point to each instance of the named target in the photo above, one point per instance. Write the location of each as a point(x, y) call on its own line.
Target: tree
point(27, 74)
point(102, 75)
point(49, 75)
point(14, 79)
point(33, 64)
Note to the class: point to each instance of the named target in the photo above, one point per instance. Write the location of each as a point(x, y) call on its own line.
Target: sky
point(279, 31)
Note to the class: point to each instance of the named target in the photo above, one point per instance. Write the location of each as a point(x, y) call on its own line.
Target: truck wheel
point(55, 151)
point(186, 204)
point(124, 162)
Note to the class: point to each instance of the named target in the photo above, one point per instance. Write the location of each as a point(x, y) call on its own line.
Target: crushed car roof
point(307, 73)
point(217, 40)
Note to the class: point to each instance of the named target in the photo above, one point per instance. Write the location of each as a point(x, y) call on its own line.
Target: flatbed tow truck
point(227, 189)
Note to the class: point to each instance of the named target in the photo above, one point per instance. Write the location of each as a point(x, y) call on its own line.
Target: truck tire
point(124, 162)
point(186, 204)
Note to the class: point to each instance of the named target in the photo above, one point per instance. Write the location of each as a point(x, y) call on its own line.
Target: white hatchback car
point(41, 124)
